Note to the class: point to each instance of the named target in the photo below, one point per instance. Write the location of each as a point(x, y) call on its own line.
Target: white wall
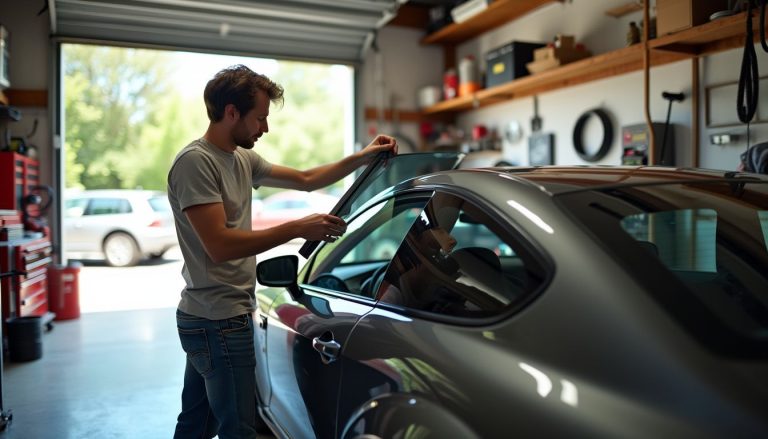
point(622, 96)
point(406, 67)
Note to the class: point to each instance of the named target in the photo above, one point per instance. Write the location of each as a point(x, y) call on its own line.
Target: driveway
point(151, 284)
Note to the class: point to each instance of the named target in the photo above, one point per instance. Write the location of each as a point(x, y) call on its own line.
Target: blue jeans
point(219, 395)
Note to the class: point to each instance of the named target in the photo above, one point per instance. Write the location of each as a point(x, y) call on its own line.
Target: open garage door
point(311, 30)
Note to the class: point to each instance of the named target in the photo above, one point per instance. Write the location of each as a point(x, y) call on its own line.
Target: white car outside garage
point(119, 226)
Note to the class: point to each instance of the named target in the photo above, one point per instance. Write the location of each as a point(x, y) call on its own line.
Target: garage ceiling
point(317, 30)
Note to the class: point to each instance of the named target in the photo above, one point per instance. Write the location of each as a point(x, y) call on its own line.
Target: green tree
point(309, 129)
point(125, 120)
point(109, 94)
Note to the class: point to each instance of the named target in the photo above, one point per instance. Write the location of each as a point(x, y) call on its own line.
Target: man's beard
point(244, 142)
point(241, 138)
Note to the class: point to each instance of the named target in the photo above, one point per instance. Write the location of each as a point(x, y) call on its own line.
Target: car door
point(410, 364)
point(76, 235)
point(88, 222)
point(306, 332)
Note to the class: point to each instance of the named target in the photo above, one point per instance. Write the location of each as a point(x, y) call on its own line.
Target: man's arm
point(223, 243)
point(325, 175)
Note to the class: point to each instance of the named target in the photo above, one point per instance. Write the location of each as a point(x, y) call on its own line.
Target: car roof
point(555, 180)
point(108, 193)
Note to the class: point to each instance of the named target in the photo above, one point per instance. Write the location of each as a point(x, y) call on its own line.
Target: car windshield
point(383, 173)
point(701, 244)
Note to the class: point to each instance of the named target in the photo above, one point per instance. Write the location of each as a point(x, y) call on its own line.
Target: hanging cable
point(748, 90)
point(763, 4)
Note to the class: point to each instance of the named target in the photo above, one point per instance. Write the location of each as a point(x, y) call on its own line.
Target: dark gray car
point(525, 302)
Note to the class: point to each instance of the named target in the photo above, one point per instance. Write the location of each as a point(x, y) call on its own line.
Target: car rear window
point(710, 236)
point(160, 204)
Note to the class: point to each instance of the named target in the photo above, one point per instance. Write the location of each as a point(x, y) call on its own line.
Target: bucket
point(63, 291)
point(25, 338)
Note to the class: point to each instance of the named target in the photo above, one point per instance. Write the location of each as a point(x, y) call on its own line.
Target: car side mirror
point(280, 271)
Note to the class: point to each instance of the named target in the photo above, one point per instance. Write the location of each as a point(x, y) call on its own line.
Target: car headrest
point(474, 255)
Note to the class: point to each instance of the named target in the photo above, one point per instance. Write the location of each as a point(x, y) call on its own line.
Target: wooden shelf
point(601, 66)
point(716, 36)
point(26, 98)
point(626, 8)
point(498, 13)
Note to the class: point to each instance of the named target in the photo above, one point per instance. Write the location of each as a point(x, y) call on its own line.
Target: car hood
point(384, 172)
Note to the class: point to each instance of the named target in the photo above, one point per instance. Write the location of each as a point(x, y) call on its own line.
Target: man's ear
point(231, 112)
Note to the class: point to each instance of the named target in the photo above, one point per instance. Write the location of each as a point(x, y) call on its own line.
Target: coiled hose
point(749, 79)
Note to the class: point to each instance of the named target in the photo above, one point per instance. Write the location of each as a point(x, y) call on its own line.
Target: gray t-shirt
point(201, 173)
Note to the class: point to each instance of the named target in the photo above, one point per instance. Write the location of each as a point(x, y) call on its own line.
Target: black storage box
point(507, 62)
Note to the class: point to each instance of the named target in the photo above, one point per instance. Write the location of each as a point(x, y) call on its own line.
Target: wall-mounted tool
point(578, 135)
point(671, 97)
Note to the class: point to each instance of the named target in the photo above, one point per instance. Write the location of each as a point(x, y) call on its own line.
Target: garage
point(578, 202)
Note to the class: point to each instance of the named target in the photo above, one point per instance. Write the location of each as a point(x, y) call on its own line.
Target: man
point(755, 159)
point(209, 187)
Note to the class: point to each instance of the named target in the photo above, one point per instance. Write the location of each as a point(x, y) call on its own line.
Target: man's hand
point(321, 227)
point(381, 143)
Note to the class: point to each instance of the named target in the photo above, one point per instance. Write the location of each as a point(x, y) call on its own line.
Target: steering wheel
point(331, 282)
point(370, 285)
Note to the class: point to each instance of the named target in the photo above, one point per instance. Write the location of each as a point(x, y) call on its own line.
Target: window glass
point(683, 239)
point(370, 242)
point(686, 242)
point(708, 263)
point(160, 204)
point(74, 208)
point(108, 206)
point(456, 261)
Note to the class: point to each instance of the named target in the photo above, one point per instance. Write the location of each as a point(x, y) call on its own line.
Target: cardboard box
point(507, 62)
point(676, 15)
point(550, 57)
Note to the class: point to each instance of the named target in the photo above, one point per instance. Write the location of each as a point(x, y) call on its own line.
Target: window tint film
point(683, 239)
point(371, 240)
point(710, 236)
point(686, 242)
point(456, 261)
point(383, 173)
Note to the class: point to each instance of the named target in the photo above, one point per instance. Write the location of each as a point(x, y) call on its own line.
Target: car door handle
point(329, 350)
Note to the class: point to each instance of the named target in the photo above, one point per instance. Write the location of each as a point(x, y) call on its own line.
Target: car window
point(456, 261)
point(108, 206)
point(382, 174)
point(686, 242)
point(371, 240)
point(74, 208)
point(697, 247)
point(160, 204)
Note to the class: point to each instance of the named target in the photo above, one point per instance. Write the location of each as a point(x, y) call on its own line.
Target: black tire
point(121, 250)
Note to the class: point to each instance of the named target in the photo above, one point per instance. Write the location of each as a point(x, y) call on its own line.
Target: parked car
point(528, 302)
point(118, 226)
point(287, 206)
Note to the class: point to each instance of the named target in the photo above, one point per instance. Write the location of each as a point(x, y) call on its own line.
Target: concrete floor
point(115, 372)
point(104, 375)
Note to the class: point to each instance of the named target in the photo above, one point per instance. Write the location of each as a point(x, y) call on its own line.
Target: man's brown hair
point(237, 85)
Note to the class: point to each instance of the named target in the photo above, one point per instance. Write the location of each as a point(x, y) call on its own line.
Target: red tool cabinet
point(19, 174)
point(26, 293)
point(26, 255)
